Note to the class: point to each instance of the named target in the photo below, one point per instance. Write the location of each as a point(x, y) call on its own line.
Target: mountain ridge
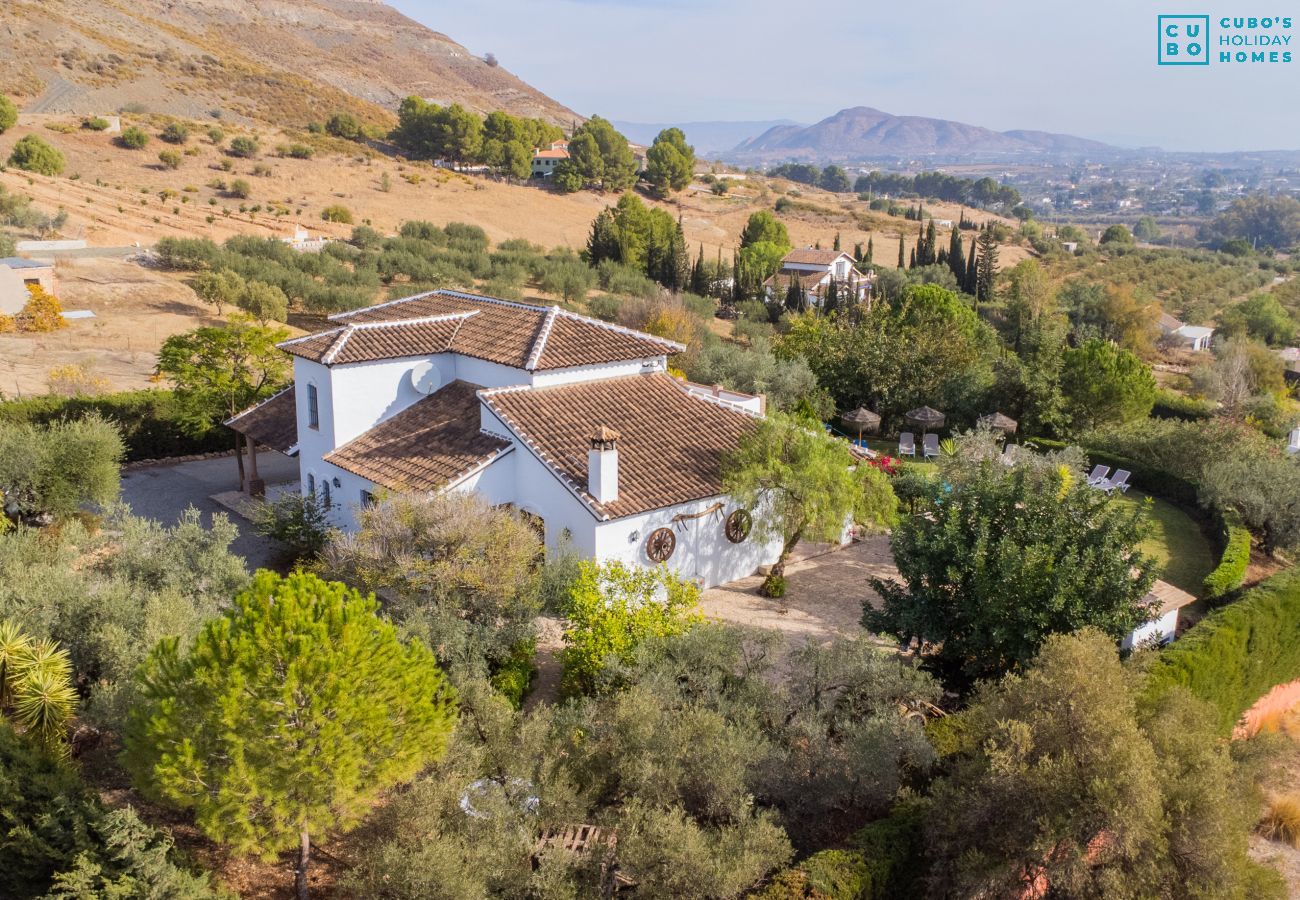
point(863, 132)
point(276, 61)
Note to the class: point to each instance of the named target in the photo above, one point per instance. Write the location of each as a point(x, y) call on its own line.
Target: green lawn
point(1183, 554)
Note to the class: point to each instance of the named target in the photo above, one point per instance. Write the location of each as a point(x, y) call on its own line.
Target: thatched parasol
point(998, 422)
point(862, 419)
point(926, 418)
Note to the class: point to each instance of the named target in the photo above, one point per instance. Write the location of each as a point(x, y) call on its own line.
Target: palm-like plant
point(36, 690)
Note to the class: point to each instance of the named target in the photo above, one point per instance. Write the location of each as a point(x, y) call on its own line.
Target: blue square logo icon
point(1183, 40)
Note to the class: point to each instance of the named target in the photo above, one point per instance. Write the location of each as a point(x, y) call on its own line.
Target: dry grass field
point(115, 197)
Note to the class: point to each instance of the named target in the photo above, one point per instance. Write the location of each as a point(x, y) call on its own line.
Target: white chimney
point(602, 465)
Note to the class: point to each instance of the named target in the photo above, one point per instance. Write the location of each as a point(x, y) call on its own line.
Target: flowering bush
point(890, 465)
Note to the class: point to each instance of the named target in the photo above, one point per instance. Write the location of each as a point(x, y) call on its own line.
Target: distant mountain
point(862, 133)
point(285, 62)
point(710, 139)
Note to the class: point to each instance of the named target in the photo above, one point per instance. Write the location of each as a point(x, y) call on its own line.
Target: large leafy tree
point(670, 162)
point(998, 558)
point(218, 371)
point(1259, 220)
point(800, 483)
point(764, 227)
point(1110, 797)
point(1105, 385)
point(288, 717)
point(924, 346)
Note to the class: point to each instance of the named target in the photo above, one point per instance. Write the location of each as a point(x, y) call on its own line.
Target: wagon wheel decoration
point(660, 545)
point(738, 526)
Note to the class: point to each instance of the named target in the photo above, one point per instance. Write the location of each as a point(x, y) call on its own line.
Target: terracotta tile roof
point(369, 341)
point(551, 154)
point(809, 256)
point(272, 423)
point(807, 280)
point(426, 445)
point(670, 441)
point(519, 335)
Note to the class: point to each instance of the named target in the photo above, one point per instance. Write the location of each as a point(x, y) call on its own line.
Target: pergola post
point(256, 486)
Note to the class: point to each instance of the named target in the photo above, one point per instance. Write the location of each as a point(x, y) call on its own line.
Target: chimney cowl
point(604, 438)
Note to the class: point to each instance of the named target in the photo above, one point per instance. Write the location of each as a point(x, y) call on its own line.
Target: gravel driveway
point(164, 492)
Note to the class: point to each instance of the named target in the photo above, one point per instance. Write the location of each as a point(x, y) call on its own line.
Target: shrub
point(175, 133)
point(298, 151)
point(243, 147)
point(8, 114)
point(170, 159)
point(56, 469)
point(1282, 820)
point(1238, 653)
point(31, 154)
point(344, 125)
point(216, 135)
point(613, 608)
point(42, 312)
point(132, 138)
point(298, 521)
point(774, 587)
point(1231, 570)
point(515, 676)
point(240, 188)
point(337, 213)
point(1172, 405)
point(94, 123)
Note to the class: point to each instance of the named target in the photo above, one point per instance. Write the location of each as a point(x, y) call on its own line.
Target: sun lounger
point(906, 444)
point(930, 445)
point(1098, 475)
point(1119, 482)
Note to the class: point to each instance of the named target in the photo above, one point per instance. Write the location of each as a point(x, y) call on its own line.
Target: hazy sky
point(1086, 68)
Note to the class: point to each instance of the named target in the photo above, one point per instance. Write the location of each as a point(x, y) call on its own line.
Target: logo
point(1184, 40)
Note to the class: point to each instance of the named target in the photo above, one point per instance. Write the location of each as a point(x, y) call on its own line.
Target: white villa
point(573, 421)
point(1192, 337)
point(815, 270)
point(545, 160)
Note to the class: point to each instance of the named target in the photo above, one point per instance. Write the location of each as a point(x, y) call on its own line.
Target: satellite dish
point(425, 377)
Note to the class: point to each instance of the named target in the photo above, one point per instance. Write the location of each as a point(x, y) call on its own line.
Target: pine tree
point(870, 250)
point(290, 715)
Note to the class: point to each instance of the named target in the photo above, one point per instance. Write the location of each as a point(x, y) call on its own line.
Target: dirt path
point(550, 641)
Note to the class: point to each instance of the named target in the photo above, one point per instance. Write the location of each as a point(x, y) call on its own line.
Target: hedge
point(1171, 405)
point(1239, 652)
point(885, 861)
point(1231, 570)
point(149, 421)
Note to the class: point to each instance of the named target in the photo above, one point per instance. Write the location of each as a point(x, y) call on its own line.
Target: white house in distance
point(1192, 337)
point(573, 421)
point(545, 160)
point(814, 270)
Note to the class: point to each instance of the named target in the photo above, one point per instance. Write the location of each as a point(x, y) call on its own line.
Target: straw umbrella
point(862, 419)
point(998, 422)
point(926, 418)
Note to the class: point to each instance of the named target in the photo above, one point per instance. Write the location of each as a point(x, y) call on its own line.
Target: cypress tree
point(831, 301)
point(737, 292)
point(719, 287)
point(912, 265)
point(794, 298)
point(969, 285)
point(836, 247)
point(987, 269)
point(930, 241)
point(857, 253)
point(901, 259)
point(957, 258)
point(870, 250)
point(918, 254)
point(699, 283)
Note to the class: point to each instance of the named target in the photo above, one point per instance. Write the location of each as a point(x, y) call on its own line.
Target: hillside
point(863, 133)
point(282, 61)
